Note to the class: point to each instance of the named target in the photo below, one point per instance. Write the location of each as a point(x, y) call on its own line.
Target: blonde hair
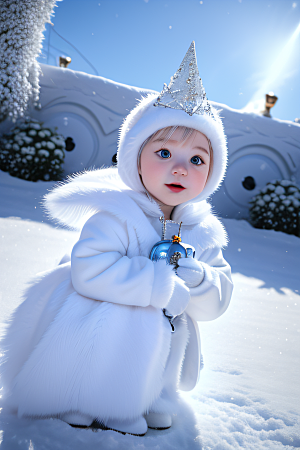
point(166, 133)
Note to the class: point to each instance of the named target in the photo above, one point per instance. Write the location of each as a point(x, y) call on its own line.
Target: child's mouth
point(175, 187)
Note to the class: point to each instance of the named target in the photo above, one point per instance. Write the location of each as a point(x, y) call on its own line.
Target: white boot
point(136, 427)
point(77, 419)
point(158, 421)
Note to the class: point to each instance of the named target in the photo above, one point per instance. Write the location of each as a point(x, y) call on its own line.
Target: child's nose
point(179, 169)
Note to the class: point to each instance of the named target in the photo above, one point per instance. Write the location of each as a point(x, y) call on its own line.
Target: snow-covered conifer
point(277, 207)
point(32, 152)
point(21, 33)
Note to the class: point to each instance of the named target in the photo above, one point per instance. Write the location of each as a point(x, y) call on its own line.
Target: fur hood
point(72, 203)
point(145, 119)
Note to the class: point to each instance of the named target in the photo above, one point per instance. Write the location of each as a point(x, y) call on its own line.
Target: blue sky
point(245, 48)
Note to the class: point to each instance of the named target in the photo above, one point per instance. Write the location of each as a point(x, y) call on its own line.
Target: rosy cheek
point(155, 168)
point(151, 171)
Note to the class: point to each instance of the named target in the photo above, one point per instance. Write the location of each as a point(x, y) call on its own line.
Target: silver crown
point(186, 91)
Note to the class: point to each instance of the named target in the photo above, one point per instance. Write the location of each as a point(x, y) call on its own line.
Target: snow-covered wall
point(90, 109)
point(260, 150)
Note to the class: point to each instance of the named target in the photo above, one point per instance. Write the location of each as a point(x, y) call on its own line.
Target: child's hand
point(180, 298)
point(191, 271)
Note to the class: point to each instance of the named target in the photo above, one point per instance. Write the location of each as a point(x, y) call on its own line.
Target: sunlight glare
point(275, 76)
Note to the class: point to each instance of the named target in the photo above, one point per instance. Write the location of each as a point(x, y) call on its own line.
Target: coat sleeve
point(101, 269)
point(211, 298)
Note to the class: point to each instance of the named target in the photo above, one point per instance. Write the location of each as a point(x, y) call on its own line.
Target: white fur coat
point(86, 337)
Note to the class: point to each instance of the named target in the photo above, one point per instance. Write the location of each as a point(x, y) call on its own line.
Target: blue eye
point(164, 153)
point(196, 160)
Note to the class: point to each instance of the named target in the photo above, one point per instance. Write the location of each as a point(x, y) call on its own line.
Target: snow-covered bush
point(32, 152)
point(276, 207)
point(21, 33)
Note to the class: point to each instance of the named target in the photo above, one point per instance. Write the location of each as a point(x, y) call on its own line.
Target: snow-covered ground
point(248, 395)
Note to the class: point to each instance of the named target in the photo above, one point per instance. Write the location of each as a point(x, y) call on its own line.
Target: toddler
point(93, 343)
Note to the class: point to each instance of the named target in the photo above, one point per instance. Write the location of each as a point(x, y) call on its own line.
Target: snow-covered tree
point(277, 207)
point(21, 33)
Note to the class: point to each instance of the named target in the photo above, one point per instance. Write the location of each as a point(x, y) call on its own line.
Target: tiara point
point(185, 90)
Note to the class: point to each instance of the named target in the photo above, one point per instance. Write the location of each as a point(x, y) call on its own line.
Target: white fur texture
point(67, 353)
point(102, 359)
point(72, 203)
point(41, 302)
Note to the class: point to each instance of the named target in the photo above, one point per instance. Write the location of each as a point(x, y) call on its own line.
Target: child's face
point(177, 171)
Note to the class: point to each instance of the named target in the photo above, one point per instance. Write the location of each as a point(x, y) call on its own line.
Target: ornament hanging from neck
point(171, 249)
point(186, 91)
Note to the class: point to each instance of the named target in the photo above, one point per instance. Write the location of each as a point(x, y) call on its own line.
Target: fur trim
point(212, 232)
point(145, 119)
point(71, 204)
